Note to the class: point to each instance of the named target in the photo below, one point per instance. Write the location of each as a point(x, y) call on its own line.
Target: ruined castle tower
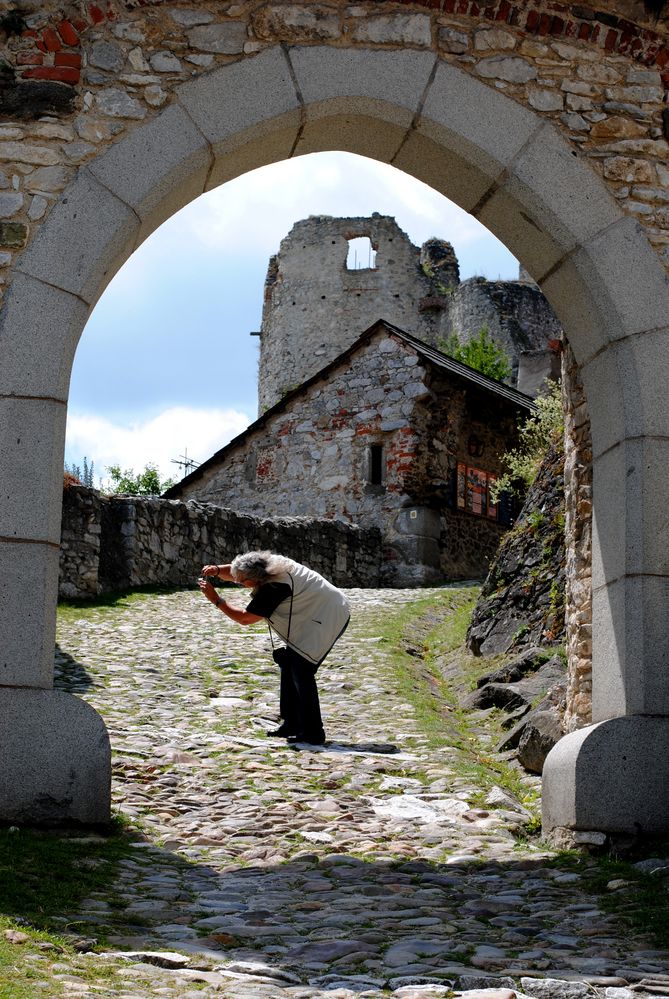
point(319, 298)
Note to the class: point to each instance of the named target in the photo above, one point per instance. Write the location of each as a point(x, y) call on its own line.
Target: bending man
point(306, 611)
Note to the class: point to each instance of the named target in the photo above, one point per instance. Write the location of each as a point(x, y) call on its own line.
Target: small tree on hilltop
point(130, 483)
point(537, 434)
point(480, 353)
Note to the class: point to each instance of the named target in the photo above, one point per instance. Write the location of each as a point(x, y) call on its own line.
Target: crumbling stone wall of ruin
point(315, 306)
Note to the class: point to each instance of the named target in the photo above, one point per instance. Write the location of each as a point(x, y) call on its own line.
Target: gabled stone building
point(391, 433)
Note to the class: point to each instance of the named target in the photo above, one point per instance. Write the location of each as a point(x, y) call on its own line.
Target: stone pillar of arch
point(513, 171)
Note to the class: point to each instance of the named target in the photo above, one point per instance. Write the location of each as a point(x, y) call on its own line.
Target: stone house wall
point(120, 542)
point(313, 455)
point(456, 416)
point(314, 307)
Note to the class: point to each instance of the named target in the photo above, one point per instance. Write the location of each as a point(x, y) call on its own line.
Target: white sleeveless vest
point(320, 613)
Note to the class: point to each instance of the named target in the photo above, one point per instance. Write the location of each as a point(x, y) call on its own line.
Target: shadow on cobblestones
point(70, 675)
point(381, 854)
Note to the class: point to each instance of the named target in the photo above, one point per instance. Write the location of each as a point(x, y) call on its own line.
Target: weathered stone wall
point(457, 416)
point(578, 543)
point(315, 307)
point(143, 541)
point(80, 542)
point(516, 314)
point(312, 457)
point(80, 75)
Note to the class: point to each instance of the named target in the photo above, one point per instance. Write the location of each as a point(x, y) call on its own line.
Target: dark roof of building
point(431, 354)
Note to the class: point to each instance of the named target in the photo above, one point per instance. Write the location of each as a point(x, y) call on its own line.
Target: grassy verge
point(418, 640)
point(43, 876)
point(426, 646)
point(74, 610)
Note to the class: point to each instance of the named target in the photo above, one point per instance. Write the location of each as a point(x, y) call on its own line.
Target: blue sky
point(166, 362)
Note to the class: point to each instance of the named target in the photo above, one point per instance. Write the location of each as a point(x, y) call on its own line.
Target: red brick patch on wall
point(56, 51)
point(552, 19)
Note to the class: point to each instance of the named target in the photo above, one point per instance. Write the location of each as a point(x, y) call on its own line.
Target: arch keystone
point(359, 100)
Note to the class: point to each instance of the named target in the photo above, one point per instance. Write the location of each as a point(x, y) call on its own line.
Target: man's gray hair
point(258, 567)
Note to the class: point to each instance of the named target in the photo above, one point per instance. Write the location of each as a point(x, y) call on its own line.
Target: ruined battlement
point(319, 298)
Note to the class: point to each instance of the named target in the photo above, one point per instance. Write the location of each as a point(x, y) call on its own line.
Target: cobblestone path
point(365, 865)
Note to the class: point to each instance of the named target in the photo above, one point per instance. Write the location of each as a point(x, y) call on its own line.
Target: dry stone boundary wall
point(120, 542)
point(78, 76)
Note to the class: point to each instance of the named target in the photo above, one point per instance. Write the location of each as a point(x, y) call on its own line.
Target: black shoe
point(311, 740)
point(282, 732)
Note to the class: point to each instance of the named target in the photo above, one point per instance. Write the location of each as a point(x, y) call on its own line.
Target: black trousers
point(299, 704)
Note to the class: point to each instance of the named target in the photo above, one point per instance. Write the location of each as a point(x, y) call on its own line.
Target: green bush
point(480, 353)
point(130, 483)
point(537, 434)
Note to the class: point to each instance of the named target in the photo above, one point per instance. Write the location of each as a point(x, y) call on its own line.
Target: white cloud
point(156, 440)
point(252, 213)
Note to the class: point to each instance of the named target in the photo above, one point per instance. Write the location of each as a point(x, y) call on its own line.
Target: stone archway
point(496, 159)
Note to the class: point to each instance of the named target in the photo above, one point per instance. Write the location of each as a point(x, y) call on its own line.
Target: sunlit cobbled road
point(361, 868)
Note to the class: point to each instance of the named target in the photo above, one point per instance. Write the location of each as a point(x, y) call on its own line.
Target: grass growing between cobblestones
point(42, 875)
point(19, 971)
point(638, 900)
point(418, 638)
point(187, 697)
point(74, 610)
point(421, 643)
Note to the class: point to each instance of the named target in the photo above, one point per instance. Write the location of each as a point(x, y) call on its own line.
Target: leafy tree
point(480, 353)
point(131, 483)
point(83, 473)
point(537, 434)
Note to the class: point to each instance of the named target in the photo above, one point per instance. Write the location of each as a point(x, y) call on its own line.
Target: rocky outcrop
point(522, 599)
point(521, 608)
point(540, 676)
point(530, 690)
point(535, 706)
